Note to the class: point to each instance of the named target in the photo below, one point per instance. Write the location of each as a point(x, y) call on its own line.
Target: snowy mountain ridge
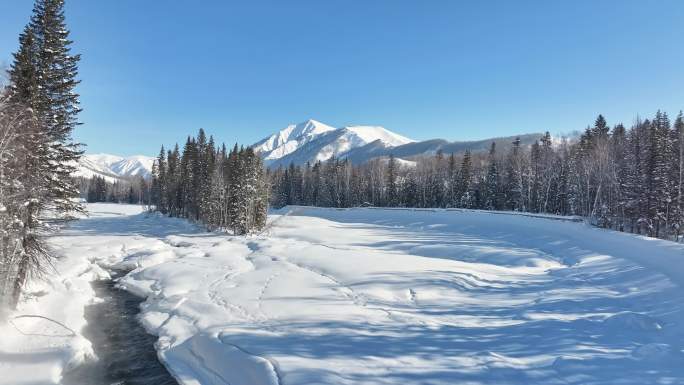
point(311, 141)
point(114, 167)
point(290, 139)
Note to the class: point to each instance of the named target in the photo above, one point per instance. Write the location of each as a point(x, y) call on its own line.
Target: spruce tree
point(492, 181)
point(465, 177)
point(657, 173)
point(43, 80)
point(452, 180)
point(160, 183)
point(678, 177)
point(52, 96)
point(514, 178)
point(392, 189)
point(620, 172)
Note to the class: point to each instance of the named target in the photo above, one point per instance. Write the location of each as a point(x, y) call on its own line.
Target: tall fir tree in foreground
point(43, 78)
point(42, 86)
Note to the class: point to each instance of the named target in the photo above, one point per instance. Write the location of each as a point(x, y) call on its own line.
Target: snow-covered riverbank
point(370, 297)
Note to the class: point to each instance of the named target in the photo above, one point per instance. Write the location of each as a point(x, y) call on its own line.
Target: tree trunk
point(22, 274)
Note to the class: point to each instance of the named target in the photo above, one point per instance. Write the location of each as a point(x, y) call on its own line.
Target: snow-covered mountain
point(113, 167)
point(311, 141)
point(137, 165)
point(290, 139)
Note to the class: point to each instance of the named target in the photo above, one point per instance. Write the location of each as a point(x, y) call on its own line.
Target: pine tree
point(160, 183)
point(492, 181)
point(548, 172)
point(188, 179)
point(43, 80)
point(392, 189)
point(21, 249)
point(55, 103)
point(658, 198)
point(465, 179)
point(199, 163)
point(619, 172)
point(452, 181)
point(514, 178)
point(24, 78)
point(678, 174)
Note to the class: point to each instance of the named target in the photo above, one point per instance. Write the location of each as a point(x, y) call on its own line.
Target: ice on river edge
point(367, 296)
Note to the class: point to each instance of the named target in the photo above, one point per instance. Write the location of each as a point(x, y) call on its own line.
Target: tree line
point(623, 179)
point(38, 112)
point(219, 188)
point(99, 189)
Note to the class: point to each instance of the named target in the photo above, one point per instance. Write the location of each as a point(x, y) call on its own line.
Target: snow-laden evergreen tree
point(678, 173)
point(188, 179)
point(20, 248)
point(452, 181)
point(464, 182)
point(492, 198)
point(392, 188)
point(514, 178)
point(160, 183)
point(173, 191)
point(42, 84)
point(657, 181)
point(199, 166)
point(49, 89)
point(218, 193)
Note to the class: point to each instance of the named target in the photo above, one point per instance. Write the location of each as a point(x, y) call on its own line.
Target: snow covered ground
point(368, 296)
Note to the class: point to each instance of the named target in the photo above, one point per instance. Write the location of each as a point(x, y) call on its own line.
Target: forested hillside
point(624, 179)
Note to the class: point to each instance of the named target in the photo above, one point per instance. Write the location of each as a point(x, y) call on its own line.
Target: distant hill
point(430, 147)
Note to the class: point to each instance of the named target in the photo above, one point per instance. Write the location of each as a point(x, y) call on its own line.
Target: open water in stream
point(125, 350)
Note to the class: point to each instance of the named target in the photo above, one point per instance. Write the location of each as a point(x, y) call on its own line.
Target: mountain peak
point(290, 138)
point(114, 167)
point(312, 140)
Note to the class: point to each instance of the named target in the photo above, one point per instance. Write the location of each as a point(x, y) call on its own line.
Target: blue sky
point(154, 71)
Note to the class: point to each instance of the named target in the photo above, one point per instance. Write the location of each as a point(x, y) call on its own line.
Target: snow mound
point(652, 351)
point(490, 254)
point(368, 134)
point(570, 365)
point(203, 359)
point(630, 321)
point(400, 162)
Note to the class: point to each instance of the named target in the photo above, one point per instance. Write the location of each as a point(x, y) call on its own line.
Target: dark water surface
point(125, 350)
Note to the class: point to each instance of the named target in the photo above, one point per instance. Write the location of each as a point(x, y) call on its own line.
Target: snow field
point(367, 296)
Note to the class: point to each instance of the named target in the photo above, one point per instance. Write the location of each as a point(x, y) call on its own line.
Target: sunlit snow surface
point(369, 296)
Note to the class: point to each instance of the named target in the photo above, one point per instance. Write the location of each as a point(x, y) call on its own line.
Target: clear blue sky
point(154, 71)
